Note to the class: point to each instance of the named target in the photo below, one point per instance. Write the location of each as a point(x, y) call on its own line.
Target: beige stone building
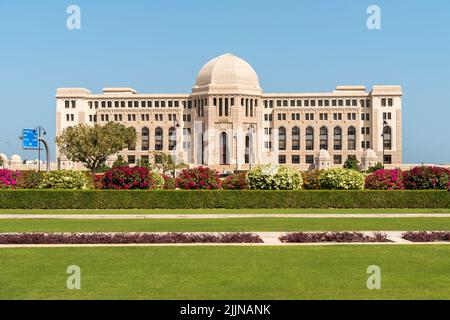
point(227, 122)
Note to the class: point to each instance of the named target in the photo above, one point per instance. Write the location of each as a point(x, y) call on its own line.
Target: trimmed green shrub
point(341, 179)
point(65, 179)
point(232, 199)
point(267, 177)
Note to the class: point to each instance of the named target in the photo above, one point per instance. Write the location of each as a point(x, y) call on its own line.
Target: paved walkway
point(220, 216)
point(269, 238)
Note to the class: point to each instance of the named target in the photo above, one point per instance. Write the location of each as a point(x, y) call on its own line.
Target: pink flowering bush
point(126, 178)
point(8, 178)
point(421, 178)
point(198, 179)
point(385, 180)
point(235, 182)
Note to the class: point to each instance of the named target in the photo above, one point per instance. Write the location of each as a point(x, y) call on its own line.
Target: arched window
point(251, 108)
point(387, 138)
point(295, 138)
point(172, 138)
point(145, 139)
point(132, 147)
point(159, 139)
point(337, 138)
point(309, 138)
point(351, 138)
point(323, 138)
point(281, 138)
point(224, 148)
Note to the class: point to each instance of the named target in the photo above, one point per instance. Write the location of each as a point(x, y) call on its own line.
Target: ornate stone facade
point(227, 122)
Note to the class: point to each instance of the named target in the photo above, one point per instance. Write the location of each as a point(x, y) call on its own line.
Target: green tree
point(93, 145)
point(1, 161)
point(376, 167)
point(352, 163)
point(120, 162)
point(165, 163)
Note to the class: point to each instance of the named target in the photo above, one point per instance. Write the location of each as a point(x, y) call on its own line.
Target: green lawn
point(338, 272)
point(221, 211)
point(224, 225)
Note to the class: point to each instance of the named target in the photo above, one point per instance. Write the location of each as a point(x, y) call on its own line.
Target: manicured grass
point(338, 272)
point(219, 211)
point(227, 225)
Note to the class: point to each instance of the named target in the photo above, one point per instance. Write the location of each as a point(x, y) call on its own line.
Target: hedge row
point(233, 199)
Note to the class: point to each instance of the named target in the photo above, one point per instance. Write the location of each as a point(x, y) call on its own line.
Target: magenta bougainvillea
point(424, 177)
point(200, 178)
point(127, 178)
point(385, 180)
point(8, 178)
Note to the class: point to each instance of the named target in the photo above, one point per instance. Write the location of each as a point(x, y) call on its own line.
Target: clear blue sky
point(159, 46)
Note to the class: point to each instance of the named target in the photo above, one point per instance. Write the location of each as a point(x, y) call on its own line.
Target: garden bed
point(125, 238)
point(424, 236)
point(334, 237)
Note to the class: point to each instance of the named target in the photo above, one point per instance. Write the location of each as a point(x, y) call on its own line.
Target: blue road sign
point(30, 139)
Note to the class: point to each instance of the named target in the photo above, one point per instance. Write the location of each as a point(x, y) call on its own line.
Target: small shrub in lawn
point(8, 178)
point(65, 179)
point(385, 180)
point(127, 178)
point(341, 179)
point(267, 177)
point(338, 237)
point(424, 236)
point(425, 177)
point(126, 238)
point(29, 179)
point(201, 178)
point(235, 182)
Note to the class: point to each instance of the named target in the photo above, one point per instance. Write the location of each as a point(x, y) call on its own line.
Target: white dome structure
point(16, 159)
point(227, 74)
point(369, 159)
point(323, 161)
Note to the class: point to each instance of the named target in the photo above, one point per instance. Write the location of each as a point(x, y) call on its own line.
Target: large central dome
point(227, 74)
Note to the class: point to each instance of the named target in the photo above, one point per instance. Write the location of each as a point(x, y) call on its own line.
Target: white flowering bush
point(341, 179)
point(268, 177)
point(65, 179)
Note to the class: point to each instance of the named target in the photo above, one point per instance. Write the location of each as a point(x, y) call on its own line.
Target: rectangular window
point(309, 159)
point(281, 159)
point(337, 159)
point(295, 159)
